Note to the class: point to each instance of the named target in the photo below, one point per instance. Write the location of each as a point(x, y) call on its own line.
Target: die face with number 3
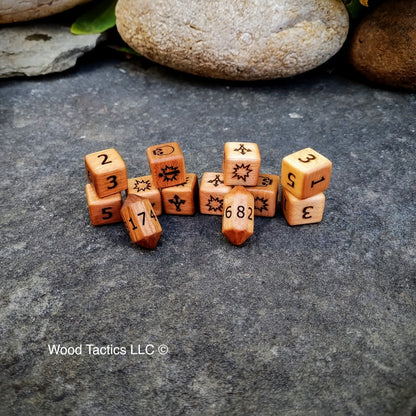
point(302, 211)
point(107, 171)
point(305, 173)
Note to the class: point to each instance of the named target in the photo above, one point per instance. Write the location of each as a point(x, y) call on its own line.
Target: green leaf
point(97, 19)
point(354, 8)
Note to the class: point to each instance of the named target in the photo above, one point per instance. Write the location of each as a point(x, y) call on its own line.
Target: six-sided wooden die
point(241, 163)
point(265, 195)
point(211, 193)
point(141, 222)
point(107, 171)
point(103, 210)
point(238, 216)
point(305, 173)
point(302, 211)
point(181, 199)
point(167, 164)
point(143, 186)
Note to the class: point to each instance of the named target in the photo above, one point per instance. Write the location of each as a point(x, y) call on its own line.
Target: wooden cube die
point(181, 199)
point(141, 222)
point(265, 195)
point(241, 163)
point(143, 186)
point(107, 171)
point(238, 216)
point(305, 173)
point(103, 210)
point(167, 164)
point(302, 211)
point(211, 193)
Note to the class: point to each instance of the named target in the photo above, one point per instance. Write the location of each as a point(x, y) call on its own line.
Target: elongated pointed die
point(141, 222)
point(238, 216)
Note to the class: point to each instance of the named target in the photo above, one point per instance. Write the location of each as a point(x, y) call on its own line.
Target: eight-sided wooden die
point(107, 171)
point(265, 195)
point(302, 211)
point(238, 216)
point(211, 193)
point(143, 186)
point(103, 210)
point(167, 164)
point(241, 163)
point(305, 173)
point(181, 199)
point(141, 222)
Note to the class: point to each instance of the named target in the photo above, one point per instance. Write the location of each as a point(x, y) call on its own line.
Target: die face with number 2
point(305, 173)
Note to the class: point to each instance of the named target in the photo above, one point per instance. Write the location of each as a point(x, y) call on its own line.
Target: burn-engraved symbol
point(242, 149)
point(142, 185)
point(241, 172)
point(214, 204)
point(266, 181)
point(261, 204)
point(166, 149)
point(169, 173)
point(177, 202)
point(216, 181)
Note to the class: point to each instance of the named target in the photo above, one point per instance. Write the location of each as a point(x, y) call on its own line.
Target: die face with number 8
point(305, 173)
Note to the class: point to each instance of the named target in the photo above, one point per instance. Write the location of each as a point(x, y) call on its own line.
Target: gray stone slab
point(310, 320)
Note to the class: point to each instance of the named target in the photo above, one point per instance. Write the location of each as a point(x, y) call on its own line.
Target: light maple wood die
point(141, 221)
point(107, 171)
point(241, 163)
point(238, 216)
point(103, 210)
point(167, 164)
point(305, 173)
point(265, 195)
point(302, 211)
point(211, 193)
point(181, 199)
point(143, 186)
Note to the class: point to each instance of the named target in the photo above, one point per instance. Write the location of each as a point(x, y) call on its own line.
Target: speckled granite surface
point(311, 320)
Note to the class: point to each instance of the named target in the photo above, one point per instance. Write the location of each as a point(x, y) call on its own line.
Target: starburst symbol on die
point(261, 204)
point(169, 173)
point(214, 204)
point(142, 185)
point(242, 149)
point(242, 172)
point(216, 181)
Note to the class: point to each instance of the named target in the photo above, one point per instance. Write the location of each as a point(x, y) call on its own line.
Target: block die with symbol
point(107, 171)
point(143, 186)
point(167, 164)
point(305, 173)
point(211, 193)
point(265, 195)
point(238, 216)
point(103, 210)
point(241, 163)
point(181, 199)
point(141, 221)
point(302, 211)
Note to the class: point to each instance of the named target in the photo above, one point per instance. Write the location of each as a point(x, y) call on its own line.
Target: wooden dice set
point(238, 193)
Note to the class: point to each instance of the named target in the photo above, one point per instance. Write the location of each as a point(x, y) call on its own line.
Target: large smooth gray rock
point(232, 39)
point(22, 10)
point(40, 49)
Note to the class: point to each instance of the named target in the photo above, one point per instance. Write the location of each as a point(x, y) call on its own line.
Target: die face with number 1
point(305, 173)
